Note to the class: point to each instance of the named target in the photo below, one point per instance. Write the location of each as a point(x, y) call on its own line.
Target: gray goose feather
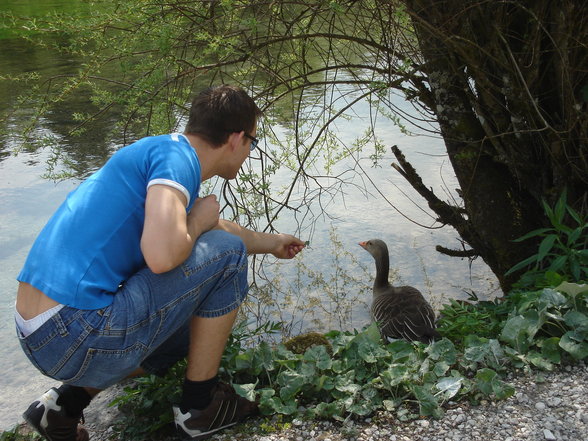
point(400, 311)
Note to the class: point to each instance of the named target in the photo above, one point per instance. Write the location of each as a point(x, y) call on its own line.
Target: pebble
point(554, 409)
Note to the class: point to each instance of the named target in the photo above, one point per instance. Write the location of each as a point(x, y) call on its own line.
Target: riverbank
point(546, 406)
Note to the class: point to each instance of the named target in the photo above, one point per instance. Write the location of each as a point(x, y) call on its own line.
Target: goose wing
point(406, 315)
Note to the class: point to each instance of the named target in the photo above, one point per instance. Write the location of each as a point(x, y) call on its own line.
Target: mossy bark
point(505, 81)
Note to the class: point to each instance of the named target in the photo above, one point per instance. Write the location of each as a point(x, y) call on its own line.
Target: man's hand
point(204, 214)
point(287, 246)
point(282, 246)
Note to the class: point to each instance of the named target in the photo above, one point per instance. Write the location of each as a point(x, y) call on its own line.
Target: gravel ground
point(555, 408)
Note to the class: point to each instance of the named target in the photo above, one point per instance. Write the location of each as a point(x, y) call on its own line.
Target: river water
point(339, 300)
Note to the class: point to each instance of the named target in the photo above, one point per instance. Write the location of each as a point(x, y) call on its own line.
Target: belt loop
point(59, 324)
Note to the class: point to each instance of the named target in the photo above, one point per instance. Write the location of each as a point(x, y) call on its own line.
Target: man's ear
point(235, 140)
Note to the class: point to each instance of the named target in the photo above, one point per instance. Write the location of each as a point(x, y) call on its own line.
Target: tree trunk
point(507, 99)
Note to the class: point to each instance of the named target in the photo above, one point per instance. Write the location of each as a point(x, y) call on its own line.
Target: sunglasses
point(254, 141)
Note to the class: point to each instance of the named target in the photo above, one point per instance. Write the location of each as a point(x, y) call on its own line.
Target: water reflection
point(39, 70)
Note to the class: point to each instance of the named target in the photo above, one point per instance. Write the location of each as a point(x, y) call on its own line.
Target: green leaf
point(570, 344)
point(444, 350)
point(539, 360)
point(546, 246)
point(319, 356)
point(572, 288)
point(264, 356)
point(577, 321)
point(515, 333)
point(371, 352)
point(552, 298)
point(270, 404)
point(550, 349)
point(533, 233)
point(390, 405)
point(449, 386)
point(246, 390)
point(367, 401)
point(558, 263)
point(441, 368)
point(428, 405)
point(328, 410)
point(553, 278)
point(573, 236)
point(394, 375)
point(401, 350)
point(575, 267)
point(488, 382)
point(244, 362)
point(560, 208)
point(346, 382)
point(575, 215)
point(291, 383)
point(535, 320)
point(522, 264)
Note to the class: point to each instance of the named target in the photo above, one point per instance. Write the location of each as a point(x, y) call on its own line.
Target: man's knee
point(223, 245)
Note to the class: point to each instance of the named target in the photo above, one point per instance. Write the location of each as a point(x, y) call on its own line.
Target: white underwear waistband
point(27, 327)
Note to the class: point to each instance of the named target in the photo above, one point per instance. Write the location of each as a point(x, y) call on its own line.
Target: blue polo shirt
point(91, 244)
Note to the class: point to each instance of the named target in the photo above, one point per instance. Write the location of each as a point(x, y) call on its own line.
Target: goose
point(400, 311)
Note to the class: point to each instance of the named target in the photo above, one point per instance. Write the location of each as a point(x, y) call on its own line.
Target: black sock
point(197, 394)
point(74, 399)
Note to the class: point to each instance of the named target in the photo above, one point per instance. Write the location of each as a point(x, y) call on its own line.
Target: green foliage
point(562, 253)
point(146, 403)
point(357, 373)
point(462, 318)
point(20, 433)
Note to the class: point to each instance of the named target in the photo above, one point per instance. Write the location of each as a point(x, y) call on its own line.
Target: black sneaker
point(51, 421)
point(226, 409)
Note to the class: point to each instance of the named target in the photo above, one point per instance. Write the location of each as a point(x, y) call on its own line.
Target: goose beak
point(362, 244)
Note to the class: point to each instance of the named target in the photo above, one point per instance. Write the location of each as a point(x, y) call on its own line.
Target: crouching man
point(135, 271)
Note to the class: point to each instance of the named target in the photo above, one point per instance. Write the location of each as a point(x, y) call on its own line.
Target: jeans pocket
point(101, 368)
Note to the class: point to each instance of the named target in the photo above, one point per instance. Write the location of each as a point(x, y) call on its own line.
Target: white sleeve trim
point(170, 183)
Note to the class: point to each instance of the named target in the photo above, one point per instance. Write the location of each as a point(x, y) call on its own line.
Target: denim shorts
point(147, 324)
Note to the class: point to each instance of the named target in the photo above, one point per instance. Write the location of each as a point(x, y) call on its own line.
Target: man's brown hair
point(218, 111)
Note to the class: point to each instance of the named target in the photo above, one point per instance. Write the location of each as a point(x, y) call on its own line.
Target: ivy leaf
point(489, 383)
point(401, 350)
point(244, 362)
point(550, 349)
point(572, 289)
point(428, 405)
point(319, 356)
point(539, 360)
point(515, 333)
point(444, 350)
point(367, 401)
point(291, 383)
point(575, 347)
point(394, 375)
point(577, 322)
point(328, 410)
point(449, 386)
point(371, 352)
point(552, 298)
point(246, 390)
point(441, 368)
point(264, 357)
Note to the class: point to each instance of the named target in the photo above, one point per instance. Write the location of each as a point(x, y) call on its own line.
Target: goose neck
point(382, 271)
